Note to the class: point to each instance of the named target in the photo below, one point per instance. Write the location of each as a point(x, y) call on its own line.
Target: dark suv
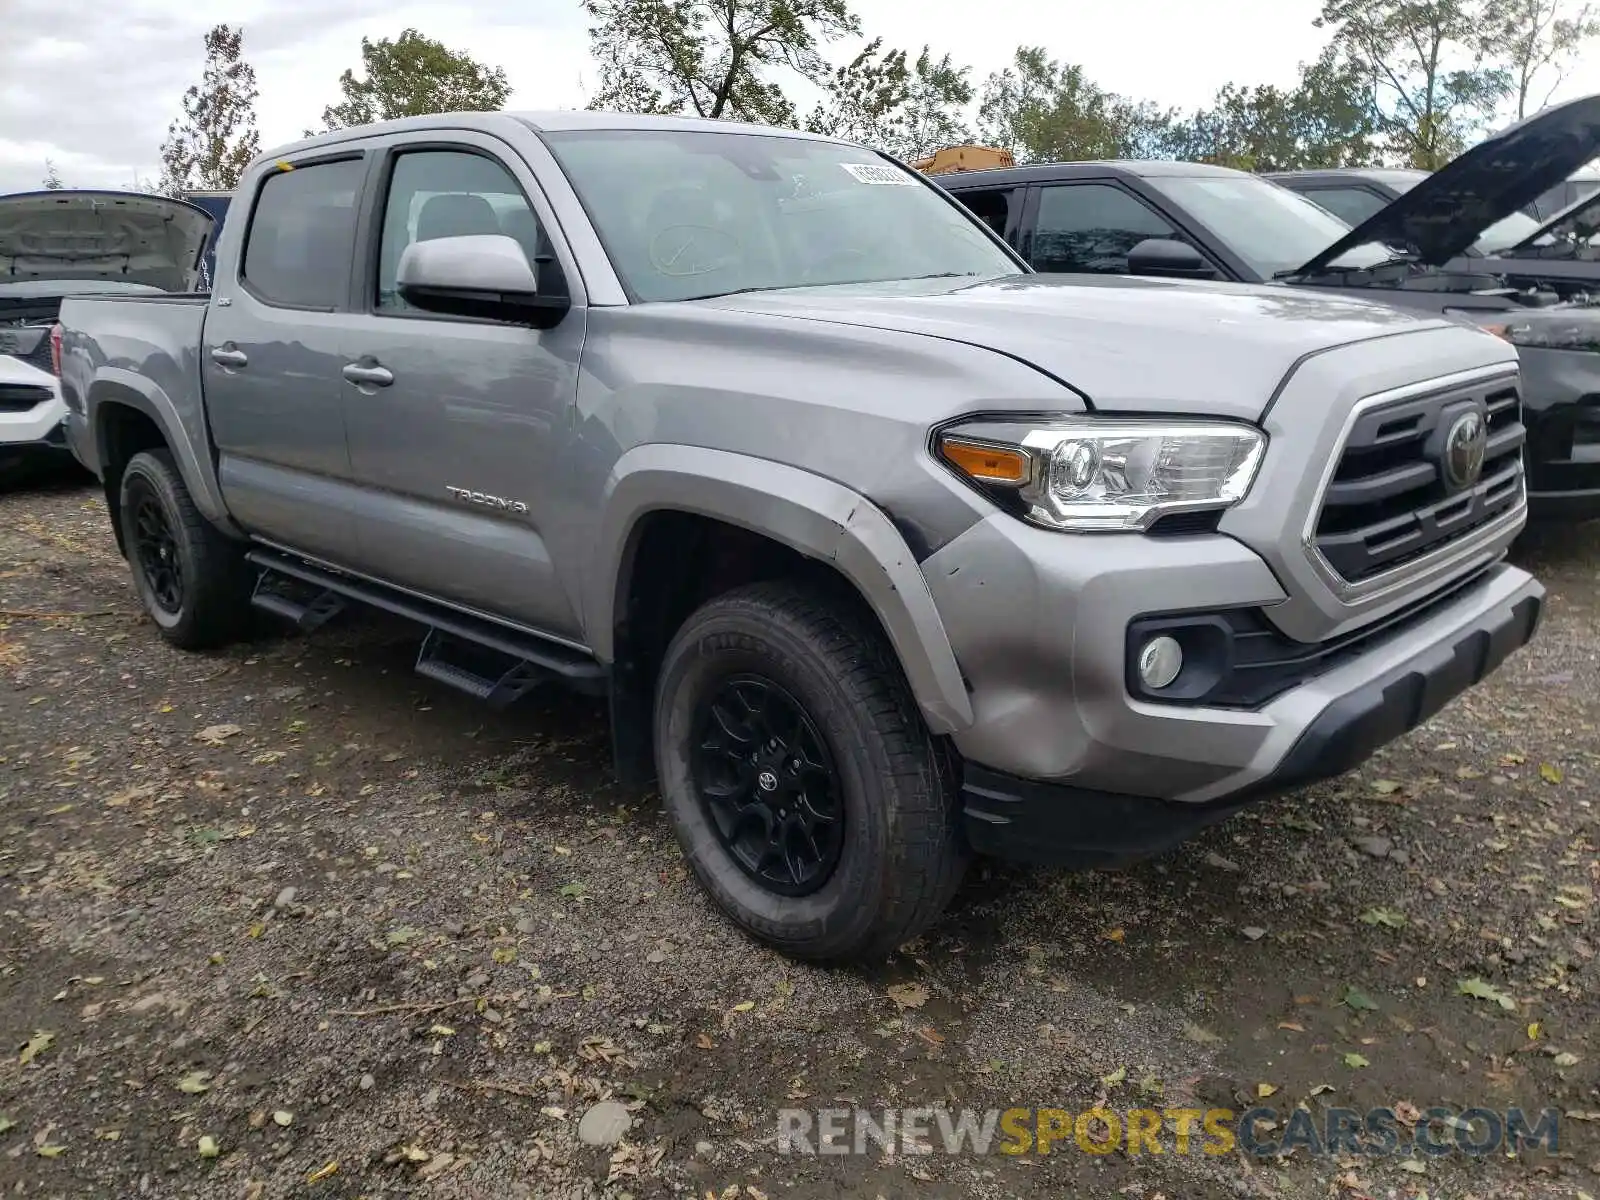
point(1188, 220)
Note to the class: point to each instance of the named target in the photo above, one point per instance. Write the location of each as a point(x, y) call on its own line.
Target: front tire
point(191, 578)
point(805, 790)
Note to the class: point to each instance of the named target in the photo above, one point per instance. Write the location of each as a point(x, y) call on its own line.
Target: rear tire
point(191, 578)
point(867, 851)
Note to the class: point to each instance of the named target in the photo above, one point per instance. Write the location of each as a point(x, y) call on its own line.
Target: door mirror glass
point(476, 275)
point(1170, 258)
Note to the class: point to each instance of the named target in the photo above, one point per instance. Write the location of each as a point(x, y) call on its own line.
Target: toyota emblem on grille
point(1464, 447)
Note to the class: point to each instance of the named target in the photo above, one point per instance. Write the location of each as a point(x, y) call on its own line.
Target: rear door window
point(297, 252)
point(1090, 227)
point(995, 207)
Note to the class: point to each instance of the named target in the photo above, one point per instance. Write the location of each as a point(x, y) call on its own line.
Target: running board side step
point(487, 661)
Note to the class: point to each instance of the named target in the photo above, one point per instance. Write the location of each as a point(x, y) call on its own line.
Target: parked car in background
point(1357, 194)
point(1186, 220)
point(62, 243)
point(1579, 186)
point(882, 549)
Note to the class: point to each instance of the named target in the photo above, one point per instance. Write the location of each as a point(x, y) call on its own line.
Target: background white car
point(67, 243)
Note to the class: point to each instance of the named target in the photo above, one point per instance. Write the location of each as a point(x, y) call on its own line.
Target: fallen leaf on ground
point(1565, 1059)
point(1263, 1090)
point(1386, 917)
point(1355, 1061)
point(208, 1147)
point(217, 734)
point(195, 1082)
point(1355, 998)
point(1115, 1077)
point(1550, 773)
point(283, 1117)
point(1485, 991)
point(323, 1172)
point(744, 1006)
point(909, 995)
point(35, 1046)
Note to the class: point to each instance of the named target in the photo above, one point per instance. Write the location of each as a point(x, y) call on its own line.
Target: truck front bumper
point(1064, 765)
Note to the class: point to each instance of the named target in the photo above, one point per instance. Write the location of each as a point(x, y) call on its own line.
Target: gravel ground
point(290, 921)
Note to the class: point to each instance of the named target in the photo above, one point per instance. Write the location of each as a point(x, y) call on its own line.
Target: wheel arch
point(658, 491)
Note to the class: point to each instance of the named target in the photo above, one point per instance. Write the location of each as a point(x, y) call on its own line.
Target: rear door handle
point(225, 356)
point(371, 376)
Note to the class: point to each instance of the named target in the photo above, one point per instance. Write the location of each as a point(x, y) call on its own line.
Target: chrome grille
point(1389, 500)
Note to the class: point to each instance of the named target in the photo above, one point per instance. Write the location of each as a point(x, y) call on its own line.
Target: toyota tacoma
point(881, 549)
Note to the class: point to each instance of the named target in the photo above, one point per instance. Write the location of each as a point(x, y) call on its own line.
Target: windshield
point(1273, 229)
point(686, 215)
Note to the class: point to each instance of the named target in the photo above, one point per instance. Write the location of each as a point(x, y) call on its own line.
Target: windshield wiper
point(1400, 259)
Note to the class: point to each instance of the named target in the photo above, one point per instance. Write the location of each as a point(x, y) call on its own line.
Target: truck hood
point(1446, 213)
point(121, 236)
point(1126, 344)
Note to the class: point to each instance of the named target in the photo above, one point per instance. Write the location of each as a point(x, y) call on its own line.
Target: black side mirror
point(1170, 258)
point(477, 275)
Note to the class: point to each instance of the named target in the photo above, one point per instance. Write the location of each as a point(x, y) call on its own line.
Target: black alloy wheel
point(155, 550)
point(766, 779)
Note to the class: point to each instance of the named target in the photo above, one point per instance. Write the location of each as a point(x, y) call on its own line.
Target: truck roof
point(560, 121)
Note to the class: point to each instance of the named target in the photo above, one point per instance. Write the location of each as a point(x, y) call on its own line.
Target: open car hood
point(122, 236)
point(1443, 215)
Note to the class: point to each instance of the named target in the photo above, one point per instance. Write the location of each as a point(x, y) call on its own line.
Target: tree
point(711, 58)
point(908, 111)
point(52, 179)
point(1325, 121)
point(1534, 36)
point(1425, 62)
point(412, 76)
point(1043, 111)
point(209, 146)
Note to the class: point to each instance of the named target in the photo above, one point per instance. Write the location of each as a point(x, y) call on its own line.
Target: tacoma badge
point(468, 496)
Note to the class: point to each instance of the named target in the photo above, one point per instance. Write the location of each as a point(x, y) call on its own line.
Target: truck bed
point(148, 345)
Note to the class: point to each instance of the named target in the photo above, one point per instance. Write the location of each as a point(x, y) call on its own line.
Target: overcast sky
point(93, 84)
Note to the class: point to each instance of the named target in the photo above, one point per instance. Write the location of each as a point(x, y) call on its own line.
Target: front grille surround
point(1383, 514)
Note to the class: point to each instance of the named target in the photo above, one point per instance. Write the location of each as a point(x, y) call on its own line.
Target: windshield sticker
point(874, 173)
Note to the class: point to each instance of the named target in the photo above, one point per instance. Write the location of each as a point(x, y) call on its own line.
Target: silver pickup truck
point(883, 550)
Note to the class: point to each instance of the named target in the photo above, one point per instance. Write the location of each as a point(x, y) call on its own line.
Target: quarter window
point(450, 193)
point(1090, 227)
point(298, 250)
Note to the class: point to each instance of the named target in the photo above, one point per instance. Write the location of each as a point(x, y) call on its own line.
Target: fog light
point(1160, 660)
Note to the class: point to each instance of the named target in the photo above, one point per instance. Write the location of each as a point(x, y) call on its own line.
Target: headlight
point(1548, 330)
point(1106, 475)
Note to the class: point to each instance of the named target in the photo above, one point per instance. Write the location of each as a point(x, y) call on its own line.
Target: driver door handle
point(229, 356)
point(370, 376)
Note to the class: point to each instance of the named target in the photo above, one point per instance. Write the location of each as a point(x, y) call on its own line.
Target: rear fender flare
point(113, 385)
